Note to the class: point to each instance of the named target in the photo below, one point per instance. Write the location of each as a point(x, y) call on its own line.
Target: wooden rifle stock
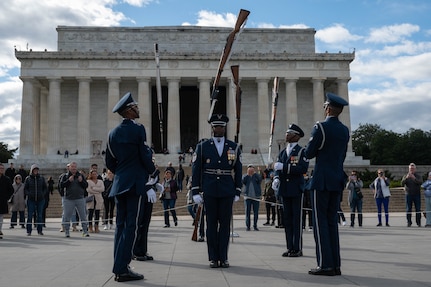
point(238, 92)
point(196, 223)
point(240, 23)
point(274, 112)
point(159, 92)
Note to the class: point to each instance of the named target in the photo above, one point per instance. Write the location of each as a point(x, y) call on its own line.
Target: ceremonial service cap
point(218, 120)
point(335, 100)
point(125, 102)
point(295, 129)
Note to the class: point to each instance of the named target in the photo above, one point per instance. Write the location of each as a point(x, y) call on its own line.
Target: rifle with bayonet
point(197, 222)
point(240, 23)
point(159, 93)
point(238, 92)
point(273, 114)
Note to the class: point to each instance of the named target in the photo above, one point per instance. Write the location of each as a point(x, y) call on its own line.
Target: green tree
point(5, 153)
point(362, 138)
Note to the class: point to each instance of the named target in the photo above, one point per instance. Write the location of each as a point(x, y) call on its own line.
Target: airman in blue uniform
point(328, 144)
point(217, 172)
point(130, 159)
point(289, 181)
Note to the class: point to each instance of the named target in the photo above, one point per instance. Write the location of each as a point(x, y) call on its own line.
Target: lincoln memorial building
point(68, 94)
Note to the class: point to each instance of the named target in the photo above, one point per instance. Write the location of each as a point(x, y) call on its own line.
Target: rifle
point(159, 92)
point(274, 112)
point(240, 23)
point(197, 223)
point(238, 92)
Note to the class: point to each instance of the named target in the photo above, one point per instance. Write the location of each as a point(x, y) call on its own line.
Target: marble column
point(36, 119)
point(204, 107)
point(83, 122)
point(54, 116)
point(263, 115)
point(318, 99)
point(173, 117)
point(113, 98)
point(291, 101)
point(43, 119)
point(144, 103)
point(343, 91)
point(26, 134)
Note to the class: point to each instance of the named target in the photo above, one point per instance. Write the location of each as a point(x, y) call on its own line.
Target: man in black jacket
point(35, 189)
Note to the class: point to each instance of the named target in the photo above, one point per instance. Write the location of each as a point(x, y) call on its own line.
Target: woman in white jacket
point(380, 186)
point(94, 200)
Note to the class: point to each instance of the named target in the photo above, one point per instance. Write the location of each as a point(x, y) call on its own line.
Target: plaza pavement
point(371, 256)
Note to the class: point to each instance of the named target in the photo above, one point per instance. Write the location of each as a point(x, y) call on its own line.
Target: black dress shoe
point(129, 276)
point(286, 254)
point(142, 257)
point(322, 271)
point(213, 264)
point(224, 264)
point(337, 271)
point(295, 253)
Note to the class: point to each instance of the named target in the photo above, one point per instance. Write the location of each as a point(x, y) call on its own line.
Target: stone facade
point(68, 94)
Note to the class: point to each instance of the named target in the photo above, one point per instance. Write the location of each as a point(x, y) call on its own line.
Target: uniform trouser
point(128, 210)
point(416, 200)
point(325, 227)
point(293, 222)
point(141, 246)
point(218, 215)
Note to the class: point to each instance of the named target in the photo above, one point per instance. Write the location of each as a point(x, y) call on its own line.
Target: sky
point(390, 77)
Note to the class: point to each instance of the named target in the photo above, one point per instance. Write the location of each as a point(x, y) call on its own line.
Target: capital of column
point(204, 79)
point(84, 79)
point(143, 79)
point(54, 79)
point(262, 80)
point(343, 80)
point(291, 80)
point(317, 80)
point(114, 79)
point(173, 79)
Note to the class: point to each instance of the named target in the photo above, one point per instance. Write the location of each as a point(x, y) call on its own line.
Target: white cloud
point(392, 33)
point(293, 26)
point(336, 34)
point(138, 3)
point(209, 18)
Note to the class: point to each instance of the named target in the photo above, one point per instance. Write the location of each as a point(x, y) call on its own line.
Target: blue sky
point(391, 73)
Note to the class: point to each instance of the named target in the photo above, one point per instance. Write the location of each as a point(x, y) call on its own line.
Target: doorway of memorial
point(189, 114)
point(156, 134)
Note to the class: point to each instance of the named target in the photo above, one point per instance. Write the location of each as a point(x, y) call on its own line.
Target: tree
point(5, 153)
point(362, 138)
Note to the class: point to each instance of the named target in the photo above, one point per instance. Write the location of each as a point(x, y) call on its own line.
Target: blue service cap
point(218, 120)
point(335, 100)
point(125, 102)
point(295, 129)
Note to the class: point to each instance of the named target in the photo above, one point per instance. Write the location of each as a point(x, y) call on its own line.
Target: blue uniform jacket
point(206, 162)
point(295, 165)
point(129, 158)
point(329, 146)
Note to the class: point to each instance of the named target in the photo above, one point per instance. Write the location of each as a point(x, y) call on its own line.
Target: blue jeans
point(428, 210)
point(416, 200)
point(249, 204)
point(385, 202)
point(169, 204)
point(32, 207)
point(14, 218)
point(69, 206)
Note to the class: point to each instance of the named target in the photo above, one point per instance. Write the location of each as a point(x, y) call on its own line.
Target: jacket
point(6, 190)
point(256, 181)
point(35, 187)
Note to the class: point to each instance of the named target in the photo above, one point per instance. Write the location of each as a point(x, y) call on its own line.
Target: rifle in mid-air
point(273, 114)
point(159, 92)
point(238, 92)
point(240, 23)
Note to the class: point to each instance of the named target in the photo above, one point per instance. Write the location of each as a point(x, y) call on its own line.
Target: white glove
point(278, 166)
point(151, 194)
point(152, 180)
point(236, 198)
point(159, 187)
point(276, 184)
point(198, 199)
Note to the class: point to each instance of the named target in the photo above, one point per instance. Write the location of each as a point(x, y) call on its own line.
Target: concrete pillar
point(343, 91)
point(26, 134)
point(291, 101)
point(83, 122)
point(204, 107)
point(43, 119)
point(173, 132)
point(113, 98)
point(144, 103)
point(54, 116)
point(36, 119)
point(318, 99)
point(263, 114)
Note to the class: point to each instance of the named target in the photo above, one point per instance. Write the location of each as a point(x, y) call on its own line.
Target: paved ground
point(371, 256)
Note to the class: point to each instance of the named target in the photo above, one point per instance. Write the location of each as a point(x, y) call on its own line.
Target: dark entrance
point(189, 115)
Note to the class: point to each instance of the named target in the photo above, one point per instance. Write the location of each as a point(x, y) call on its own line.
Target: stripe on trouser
point(316, 230)
point(300, 222)
point(136, 224)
